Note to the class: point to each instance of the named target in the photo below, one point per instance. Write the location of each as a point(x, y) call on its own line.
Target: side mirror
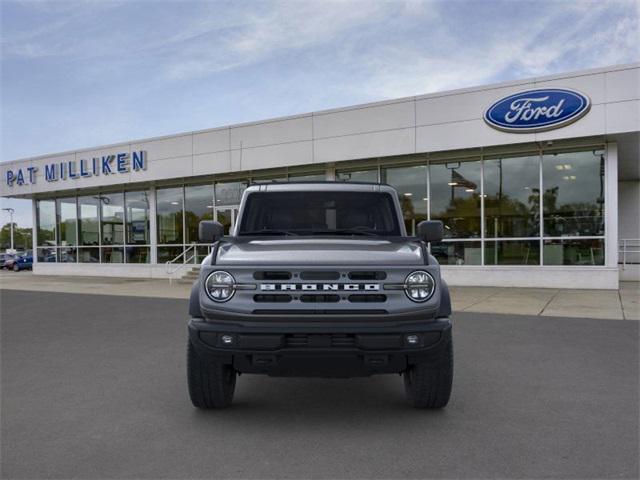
point(430, 230)
point(210, 231)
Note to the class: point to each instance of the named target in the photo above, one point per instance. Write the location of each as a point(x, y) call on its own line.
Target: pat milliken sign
point(537, 110)
point(115, 164)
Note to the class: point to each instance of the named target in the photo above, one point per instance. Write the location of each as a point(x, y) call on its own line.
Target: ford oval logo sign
point(537, 110)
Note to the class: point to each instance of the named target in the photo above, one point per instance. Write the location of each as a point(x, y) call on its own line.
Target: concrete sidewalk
point(610, 304)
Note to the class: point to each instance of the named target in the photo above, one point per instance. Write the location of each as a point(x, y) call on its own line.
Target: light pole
point(11, 212)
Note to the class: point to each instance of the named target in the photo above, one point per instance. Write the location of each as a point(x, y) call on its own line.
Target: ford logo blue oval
point(537, 110)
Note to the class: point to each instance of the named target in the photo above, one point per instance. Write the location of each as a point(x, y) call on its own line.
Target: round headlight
point(419, 286)
point(220, 286)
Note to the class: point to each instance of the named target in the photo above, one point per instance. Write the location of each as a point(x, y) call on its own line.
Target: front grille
point(360, 298)
point(272, 275)
point(320, 341)
point(262, 298)
point(319, 275)
point(367, 275)
point(319, 298)
point(318, 311)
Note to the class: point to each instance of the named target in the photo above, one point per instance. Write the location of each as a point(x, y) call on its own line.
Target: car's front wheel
point(16, 268)
point(211, 383)
point(428, 384)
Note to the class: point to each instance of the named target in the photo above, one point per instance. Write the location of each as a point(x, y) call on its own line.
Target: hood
point(320, 251)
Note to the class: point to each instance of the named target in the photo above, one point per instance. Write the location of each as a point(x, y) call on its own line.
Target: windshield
point(319, 213)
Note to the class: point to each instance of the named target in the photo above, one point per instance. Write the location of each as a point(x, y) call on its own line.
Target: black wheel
point(211, 383)
point(16, 268)
point(428, 384)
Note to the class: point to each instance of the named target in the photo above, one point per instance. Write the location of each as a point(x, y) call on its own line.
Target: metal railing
point(628, 247)
point(189, 257)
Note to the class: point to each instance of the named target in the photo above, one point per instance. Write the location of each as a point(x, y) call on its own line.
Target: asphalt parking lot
point(94, 387)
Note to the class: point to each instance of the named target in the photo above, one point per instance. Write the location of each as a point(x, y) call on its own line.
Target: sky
point(87, 73)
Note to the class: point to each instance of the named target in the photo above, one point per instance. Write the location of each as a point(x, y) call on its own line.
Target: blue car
point(23, 262)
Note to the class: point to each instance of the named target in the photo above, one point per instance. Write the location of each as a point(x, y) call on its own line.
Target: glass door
point(227, 217)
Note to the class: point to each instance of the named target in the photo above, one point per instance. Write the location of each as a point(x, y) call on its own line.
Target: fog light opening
point(413, 339)
point(227, 339)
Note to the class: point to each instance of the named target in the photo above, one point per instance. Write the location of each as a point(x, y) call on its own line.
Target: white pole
point(10, 210)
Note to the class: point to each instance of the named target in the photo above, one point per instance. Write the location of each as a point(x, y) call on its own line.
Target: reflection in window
point(47, 254)
point(169, 206)
point(512, 252)
point(137, 218)
point(166, 254)
point(512, 197)
point(229, 193)
point(112, 218)
point(89, 255)
point(67, 254)
point(455, 198)
point(112, 255)
point(198, 206)
point(310, 177)
point(370, 176)
point(574, 252)
point(67, 212)
point(411, 184)
point(137, 254)
point(88, 220)
point(573, 199)
point(457, 253)
point(46, 217)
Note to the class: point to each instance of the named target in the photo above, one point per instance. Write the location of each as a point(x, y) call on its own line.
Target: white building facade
point(536, 181)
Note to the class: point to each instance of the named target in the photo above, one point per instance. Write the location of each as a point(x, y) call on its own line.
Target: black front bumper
point(323, 350)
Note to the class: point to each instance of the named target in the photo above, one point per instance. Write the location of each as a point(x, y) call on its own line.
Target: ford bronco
point(320, 279)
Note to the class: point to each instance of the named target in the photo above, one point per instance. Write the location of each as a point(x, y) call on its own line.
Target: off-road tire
point(428, 384)
point(211, 383)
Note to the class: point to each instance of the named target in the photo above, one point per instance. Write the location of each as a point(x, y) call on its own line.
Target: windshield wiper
point(269, 231)
point(347, 231)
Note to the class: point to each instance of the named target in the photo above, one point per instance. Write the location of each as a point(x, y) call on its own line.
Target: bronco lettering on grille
point(370, 287)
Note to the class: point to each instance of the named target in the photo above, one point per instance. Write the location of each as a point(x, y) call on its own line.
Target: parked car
point(23, 262)
point(7, 261)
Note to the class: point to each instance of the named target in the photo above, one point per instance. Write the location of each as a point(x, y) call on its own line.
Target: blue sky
point(80, 74)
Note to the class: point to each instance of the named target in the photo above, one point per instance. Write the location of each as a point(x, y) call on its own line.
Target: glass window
point(88, 220)
point(573, 199)
point(370, 176)
point(112, 255)
point(512, 252)
point(229, 193)
point(137, 254)
point(269, 179)
point(457, 253)
point(169, 205)
point(411, 184)
point(198, 206)
point(455, 198)
point(67, 254)
point(46, 222)
point(112, 218)
point(316, 213)
point(309, 177)
point(47, 254)
point(573, 252)
point(89, 255)
point(67, 213)
point(512, 197)
point(166, 254)
point(137, 218)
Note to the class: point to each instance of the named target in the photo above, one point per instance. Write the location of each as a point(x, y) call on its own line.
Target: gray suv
point(320, 279)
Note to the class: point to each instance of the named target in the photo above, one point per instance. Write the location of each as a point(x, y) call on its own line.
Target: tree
point(21, 237)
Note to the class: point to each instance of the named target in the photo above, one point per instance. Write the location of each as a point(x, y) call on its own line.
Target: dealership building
point(535, 180)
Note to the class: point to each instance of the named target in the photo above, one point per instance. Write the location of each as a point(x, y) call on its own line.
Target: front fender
point(444, 309)
point(194, 301)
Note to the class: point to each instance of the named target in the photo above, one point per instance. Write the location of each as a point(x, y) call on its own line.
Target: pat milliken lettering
point(324, 287)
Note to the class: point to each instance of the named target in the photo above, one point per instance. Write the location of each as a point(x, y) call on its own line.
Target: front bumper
point(329, 350)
